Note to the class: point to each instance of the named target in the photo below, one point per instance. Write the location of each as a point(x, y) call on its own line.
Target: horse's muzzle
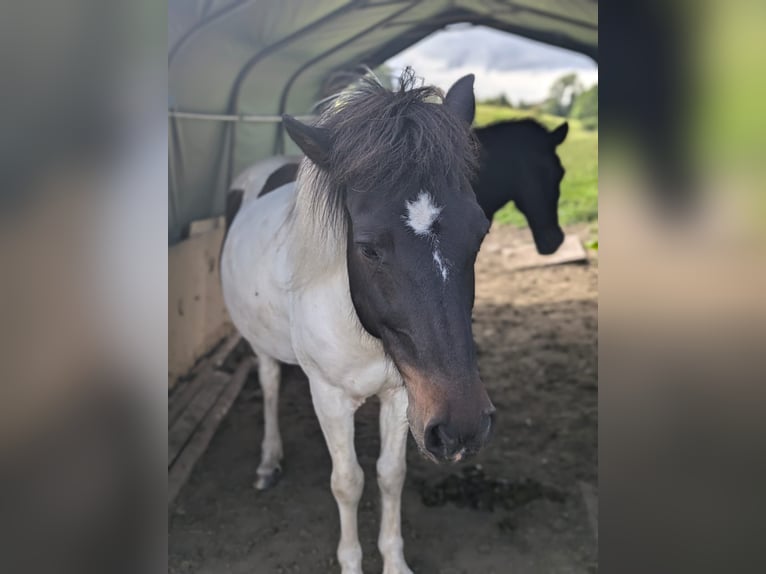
point(445, 441)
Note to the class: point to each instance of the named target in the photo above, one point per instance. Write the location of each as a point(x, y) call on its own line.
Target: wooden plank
point(182, 396)
point(200, 226)
point(220, 357)
point(183, 465)
point(179, 434)
point(526, 256)
point(197, 316)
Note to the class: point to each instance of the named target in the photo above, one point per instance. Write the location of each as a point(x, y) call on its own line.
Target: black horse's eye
point(369, 251)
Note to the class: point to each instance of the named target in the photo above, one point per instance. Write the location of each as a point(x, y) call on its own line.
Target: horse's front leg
point(335, 411)
point(392, 467)
point(271, 449)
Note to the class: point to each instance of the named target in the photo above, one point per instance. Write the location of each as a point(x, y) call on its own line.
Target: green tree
point(499, 100)
point(586, 104)
point(562, 94)
point(585, 108)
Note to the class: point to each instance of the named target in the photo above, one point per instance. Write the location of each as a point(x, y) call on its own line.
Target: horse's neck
point(495, 185)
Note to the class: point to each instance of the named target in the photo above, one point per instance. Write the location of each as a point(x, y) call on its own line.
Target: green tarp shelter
point(234, 66)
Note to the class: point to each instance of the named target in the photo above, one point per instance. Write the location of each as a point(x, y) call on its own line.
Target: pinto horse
point(362, 272)
point(519, 164)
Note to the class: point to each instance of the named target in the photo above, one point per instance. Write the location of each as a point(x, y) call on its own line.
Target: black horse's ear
point(460, 99)
point(313, 141)
point(559, 134)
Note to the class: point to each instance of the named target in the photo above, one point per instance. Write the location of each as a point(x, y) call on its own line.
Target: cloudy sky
point(503, 63)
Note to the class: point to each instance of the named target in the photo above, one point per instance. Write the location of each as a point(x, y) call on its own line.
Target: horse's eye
point(369, 251)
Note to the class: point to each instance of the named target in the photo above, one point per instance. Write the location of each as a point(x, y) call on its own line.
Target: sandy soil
point(516, 508)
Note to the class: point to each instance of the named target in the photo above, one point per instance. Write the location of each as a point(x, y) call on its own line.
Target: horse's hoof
point(266, 481)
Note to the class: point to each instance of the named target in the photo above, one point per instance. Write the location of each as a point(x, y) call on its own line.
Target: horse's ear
point(460, 98)
point(559, 134)
point(313, 141)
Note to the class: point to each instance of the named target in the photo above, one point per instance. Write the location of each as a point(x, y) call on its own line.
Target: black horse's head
point(519, 163)
point(397, 167)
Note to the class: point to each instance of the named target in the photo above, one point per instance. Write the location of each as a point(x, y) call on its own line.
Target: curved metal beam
point(258, 57)
point(514, 7)
point(402, 41)
point(203, 23)
point(279, 143)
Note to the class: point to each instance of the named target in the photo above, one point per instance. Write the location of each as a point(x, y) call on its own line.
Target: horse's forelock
point(379, 135)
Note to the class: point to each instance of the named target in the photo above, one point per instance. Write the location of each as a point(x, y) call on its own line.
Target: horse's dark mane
point(379, 135)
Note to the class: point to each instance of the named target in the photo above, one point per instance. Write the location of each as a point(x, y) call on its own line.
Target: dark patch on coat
point(285, 174)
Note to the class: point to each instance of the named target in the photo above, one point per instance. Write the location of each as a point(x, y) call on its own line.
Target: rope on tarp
point(253, 119)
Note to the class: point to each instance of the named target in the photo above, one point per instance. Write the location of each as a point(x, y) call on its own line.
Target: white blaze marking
point(440, 264)
point(421, 215)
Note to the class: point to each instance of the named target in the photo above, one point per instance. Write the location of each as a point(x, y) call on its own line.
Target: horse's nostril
point(438, 441)
point(432, 440)
point(446, 440)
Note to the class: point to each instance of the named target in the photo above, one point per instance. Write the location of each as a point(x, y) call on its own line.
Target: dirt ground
point(517, 507)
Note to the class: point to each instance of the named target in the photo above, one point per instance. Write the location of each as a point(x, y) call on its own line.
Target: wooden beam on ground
point(183, 393)
point(220, 356)
point(193, 448)
point(192, 416)
point(526, 256)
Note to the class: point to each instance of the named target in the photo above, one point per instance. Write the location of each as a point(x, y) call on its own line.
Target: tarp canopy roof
point(233, 58)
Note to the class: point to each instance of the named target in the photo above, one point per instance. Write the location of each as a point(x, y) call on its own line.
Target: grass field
point(578, 153)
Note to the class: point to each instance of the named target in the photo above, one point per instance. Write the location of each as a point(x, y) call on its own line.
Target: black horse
point(519, 164)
